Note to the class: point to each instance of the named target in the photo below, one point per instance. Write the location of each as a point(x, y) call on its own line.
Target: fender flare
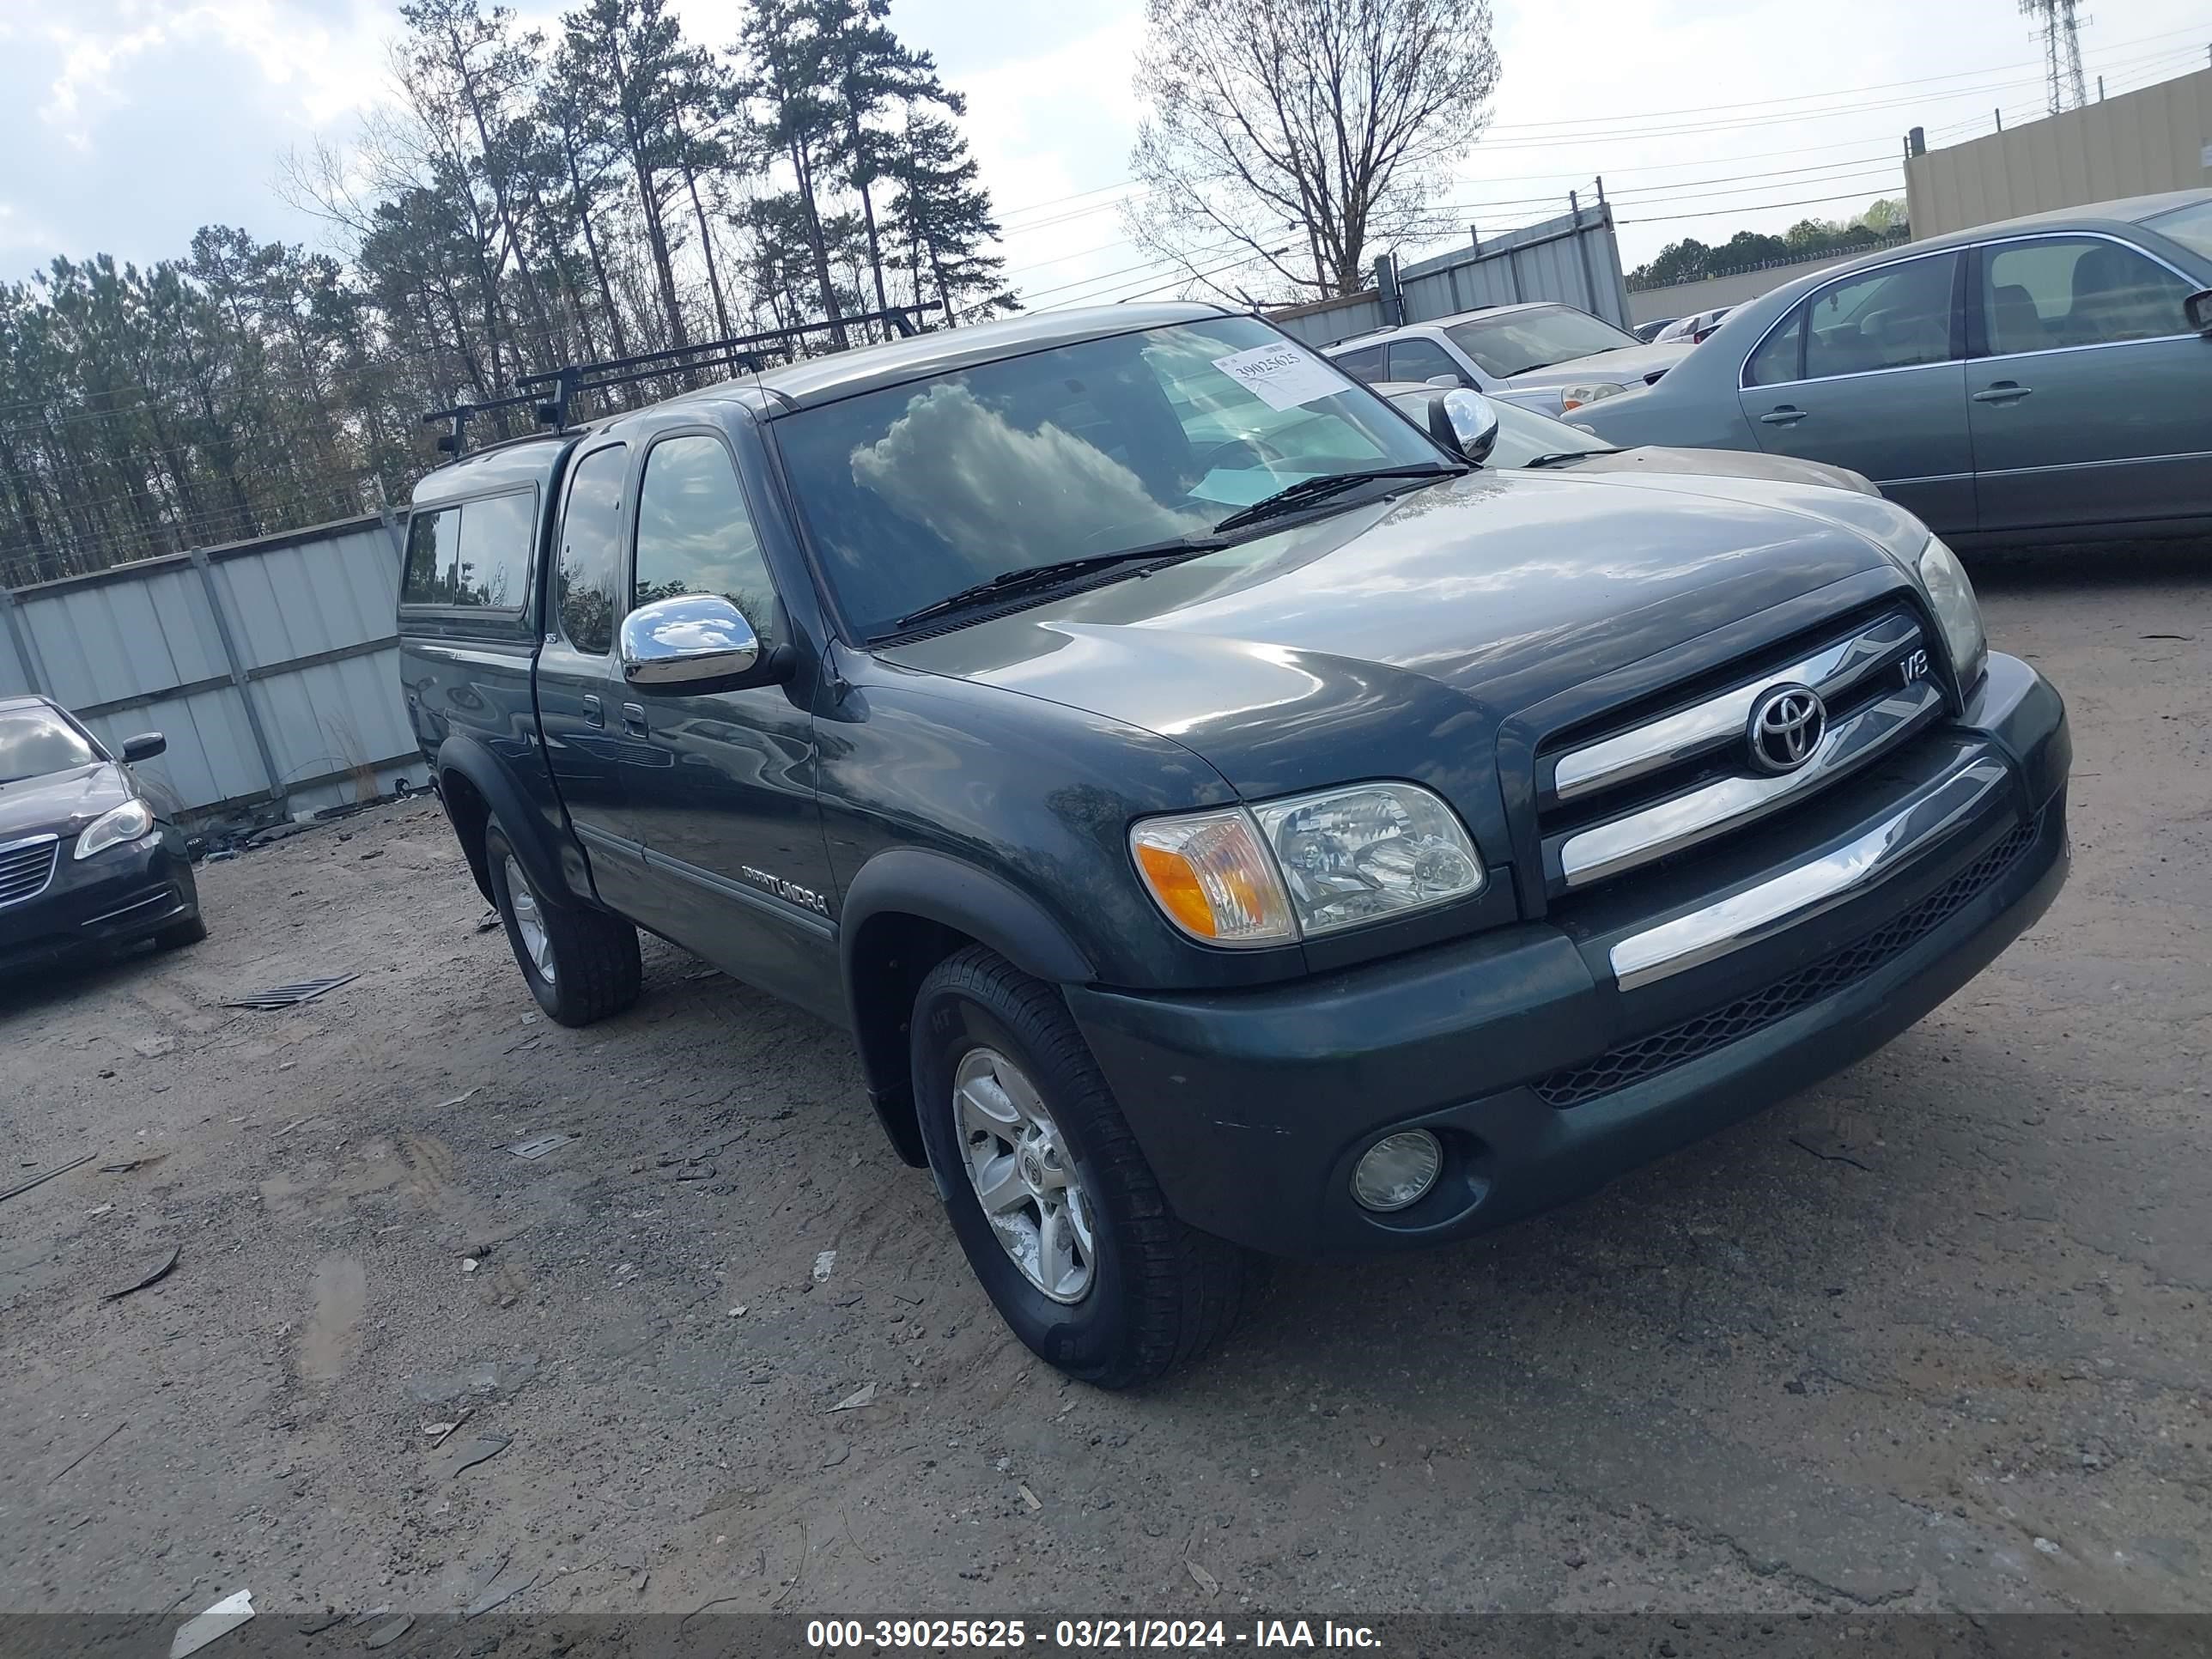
point(932, 887)
point(988, 909)
point(518, 818)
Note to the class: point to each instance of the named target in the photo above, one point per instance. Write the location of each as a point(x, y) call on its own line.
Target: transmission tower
point(2062, 49)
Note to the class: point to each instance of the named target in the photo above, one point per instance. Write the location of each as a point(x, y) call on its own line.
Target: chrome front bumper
point(1782, 903)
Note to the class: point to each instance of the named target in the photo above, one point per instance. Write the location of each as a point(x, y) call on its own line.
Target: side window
point(433, 552)
point(1365, 365)
point(1777, 358)
point(694, 534)
point(1893, 318)
point(1418, 359)
point(591, 549)
point(494, 570)
point(2076, 290)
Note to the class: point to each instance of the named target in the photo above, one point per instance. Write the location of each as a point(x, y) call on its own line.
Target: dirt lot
point(1932, 1335)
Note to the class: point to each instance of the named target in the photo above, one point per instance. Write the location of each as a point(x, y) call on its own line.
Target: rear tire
point(581, 964)
point(1012, 1103)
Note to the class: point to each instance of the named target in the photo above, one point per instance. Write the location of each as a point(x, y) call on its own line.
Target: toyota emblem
point(1787, 725)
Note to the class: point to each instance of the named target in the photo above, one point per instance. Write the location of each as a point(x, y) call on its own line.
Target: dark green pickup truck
point(1229, 818)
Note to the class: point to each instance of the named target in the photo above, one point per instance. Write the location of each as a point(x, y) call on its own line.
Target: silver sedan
point(1526, 439)
point(2045, 379)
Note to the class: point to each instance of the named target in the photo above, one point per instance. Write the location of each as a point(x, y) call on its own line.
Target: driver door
point(726, 811)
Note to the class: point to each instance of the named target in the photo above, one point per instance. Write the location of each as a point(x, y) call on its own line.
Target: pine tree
point(940, 214)
point(782, 44)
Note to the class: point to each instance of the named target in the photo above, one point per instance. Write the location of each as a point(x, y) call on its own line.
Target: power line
point(1797, 102)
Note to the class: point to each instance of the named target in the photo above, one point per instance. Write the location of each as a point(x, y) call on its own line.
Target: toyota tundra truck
point(1230, 821)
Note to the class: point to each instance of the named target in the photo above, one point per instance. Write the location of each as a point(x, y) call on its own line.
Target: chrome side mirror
point(685, 640)
point(1464, 423)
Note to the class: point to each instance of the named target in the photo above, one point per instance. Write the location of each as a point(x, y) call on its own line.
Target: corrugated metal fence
point(2155, 139)
point(1573, 258)
point(270, 666)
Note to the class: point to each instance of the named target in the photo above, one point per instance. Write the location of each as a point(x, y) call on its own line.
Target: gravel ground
point(1932, 1335)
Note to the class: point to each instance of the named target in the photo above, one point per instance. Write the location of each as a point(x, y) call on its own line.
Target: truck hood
point(63, 802)
point(1389, 640)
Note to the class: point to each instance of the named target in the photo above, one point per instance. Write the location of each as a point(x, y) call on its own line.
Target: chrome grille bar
point(1797, 894)
point(26, 867)
point(1628, 754)
point(1671, 826)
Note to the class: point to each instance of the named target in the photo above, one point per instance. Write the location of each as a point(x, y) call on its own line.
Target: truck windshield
point(922, 490)
point(1523, 340)
point(36, 741)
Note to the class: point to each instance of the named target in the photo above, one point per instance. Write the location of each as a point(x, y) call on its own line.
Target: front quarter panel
point(1035, 797)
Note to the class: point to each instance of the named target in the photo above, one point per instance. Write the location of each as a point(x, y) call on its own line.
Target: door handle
point(595, 712)
point(633, 719)
point(2004, 392)
point(1786, 416)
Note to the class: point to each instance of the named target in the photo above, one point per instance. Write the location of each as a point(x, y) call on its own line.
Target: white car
point(1549, 358)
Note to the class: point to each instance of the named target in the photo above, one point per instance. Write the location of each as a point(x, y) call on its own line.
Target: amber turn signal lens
point(1211, 875)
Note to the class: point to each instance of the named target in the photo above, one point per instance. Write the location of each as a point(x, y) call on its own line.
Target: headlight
point(1960, 614)
point(1311, 865)
point(112, 828)
point(1588, 392)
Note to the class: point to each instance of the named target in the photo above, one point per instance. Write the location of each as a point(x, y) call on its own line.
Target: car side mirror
point(1464, 423)
point(696, 642)
point(144, 746)
point(1449, 382)
point(2199, 308)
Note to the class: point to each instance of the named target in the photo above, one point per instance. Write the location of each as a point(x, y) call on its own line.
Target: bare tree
point(1335, 119)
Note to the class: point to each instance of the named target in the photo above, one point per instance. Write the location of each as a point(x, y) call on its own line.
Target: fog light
point(1397, 1170)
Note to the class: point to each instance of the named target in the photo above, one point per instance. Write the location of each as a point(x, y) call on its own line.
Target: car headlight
point(115, 826)
point(1951, 596)
point(1307, 866)
point(1588, 392)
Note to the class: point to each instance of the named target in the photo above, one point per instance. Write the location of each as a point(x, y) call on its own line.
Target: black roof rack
point(742, 351)
point(455, 442)
point(550, 393)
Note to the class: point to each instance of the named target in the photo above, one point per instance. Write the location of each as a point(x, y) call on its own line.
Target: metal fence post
point(1581, 248)
point(26, 652)
point(238, 679)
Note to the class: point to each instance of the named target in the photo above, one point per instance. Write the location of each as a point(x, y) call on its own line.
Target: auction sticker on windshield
point(1283, 376)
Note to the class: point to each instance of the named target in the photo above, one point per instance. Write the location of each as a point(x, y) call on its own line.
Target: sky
point(128, 124)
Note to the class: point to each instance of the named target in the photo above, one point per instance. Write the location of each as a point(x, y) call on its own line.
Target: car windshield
point(2190, 226)
point(1522, 340)
point(36, 741)
point(920, 491)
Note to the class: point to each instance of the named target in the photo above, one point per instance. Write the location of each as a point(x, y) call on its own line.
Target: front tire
point(175, 937)
point(581, 964)
point(1061, 1216)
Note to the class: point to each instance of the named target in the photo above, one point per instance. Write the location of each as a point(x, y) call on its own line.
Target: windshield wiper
point(1560, 457)
point(1029, 577)
point(1307, 492)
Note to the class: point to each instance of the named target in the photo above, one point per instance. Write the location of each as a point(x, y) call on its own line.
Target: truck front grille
point(1683, 773)
point(26, 867)
point(1678, 1045)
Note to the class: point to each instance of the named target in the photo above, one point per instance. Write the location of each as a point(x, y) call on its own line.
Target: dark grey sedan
point(2045, 379)
point(92, 856)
